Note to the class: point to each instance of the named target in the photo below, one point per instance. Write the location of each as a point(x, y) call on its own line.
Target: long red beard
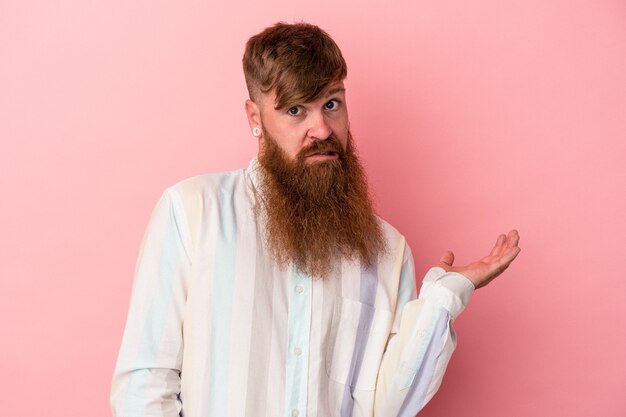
point(317, 213)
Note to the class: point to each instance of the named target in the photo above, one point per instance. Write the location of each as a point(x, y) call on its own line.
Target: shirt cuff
point(451, 290)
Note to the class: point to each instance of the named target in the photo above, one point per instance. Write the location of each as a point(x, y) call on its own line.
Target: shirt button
point(295, 413)
point(297, 351)
point(299, 289)
point(438, 284)
point(421, 333)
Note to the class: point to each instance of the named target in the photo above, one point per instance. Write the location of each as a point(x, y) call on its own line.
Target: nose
point(319, 128)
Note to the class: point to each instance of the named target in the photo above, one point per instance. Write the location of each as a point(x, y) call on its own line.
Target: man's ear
point(254, 114)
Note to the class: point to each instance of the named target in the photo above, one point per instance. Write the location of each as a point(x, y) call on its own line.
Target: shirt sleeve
point(146, 381)
point(420, 347)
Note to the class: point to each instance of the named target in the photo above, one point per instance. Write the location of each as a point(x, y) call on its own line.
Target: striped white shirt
point(216, 328)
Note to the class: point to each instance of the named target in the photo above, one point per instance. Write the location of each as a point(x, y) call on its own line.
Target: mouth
point(324, 155)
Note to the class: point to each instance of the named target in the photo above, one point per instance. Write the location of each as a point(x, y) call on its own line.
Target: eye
point(294, 111)
point(332, 104)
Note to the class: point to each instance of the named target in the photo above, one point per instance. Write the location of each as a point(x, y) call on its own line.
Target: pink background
point(472, 118)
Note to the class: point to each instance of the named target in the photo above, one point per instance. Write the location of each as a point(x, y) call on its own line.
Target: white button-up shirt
point(217, 329)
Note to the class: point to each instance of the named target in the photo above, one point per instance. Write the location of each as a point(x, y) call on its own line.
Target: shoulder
point(206, 184)
point(396, 242)
point(391, 233)
point(193, 197)
point(389, 229)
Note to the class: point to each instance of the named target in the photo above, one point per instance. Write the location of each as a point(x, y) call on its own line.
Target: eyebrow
point(335, 90)
point(328, 94)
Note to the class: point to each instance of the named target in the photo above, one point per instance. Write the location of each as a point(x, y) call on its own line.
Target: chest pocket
point(357, 340)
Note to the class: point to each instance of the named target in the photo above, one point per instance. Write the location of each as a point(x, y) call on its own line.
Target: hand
point(483, 271)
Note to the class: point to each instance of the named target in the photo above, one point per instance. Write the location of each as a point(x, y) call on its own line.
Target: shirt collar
point(253, 174)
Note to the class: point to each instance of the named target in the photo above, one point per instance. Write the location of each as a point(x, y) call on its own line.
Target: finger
point(498, 246)
point(447, 258)
point(510, 240)
point(513, 238)
point(506, 259)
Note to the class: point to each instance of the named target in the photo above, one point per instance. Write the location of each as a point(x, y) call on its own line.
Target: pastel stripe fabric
point(216, 328)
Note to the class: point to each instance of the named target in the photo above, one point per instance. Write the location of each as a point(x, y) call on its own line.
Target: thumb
point(447, 259)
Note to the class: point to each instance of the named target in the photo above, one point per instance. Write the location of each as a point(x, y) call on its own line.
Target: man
point(275, 290)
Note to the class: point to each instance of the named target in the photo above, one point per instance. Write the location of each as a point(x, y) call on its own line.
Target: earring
point(256, 132)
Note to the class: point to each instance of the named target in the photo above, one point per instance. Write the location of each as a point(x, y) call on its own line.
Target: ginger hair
point(298, 61)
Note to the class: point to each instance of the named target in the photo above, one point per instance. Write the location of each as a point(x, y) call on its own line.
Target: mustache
point(330, 144)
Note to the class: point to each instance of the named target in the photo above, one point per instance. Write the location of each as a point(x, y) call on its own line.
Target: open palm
point(483, 271)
